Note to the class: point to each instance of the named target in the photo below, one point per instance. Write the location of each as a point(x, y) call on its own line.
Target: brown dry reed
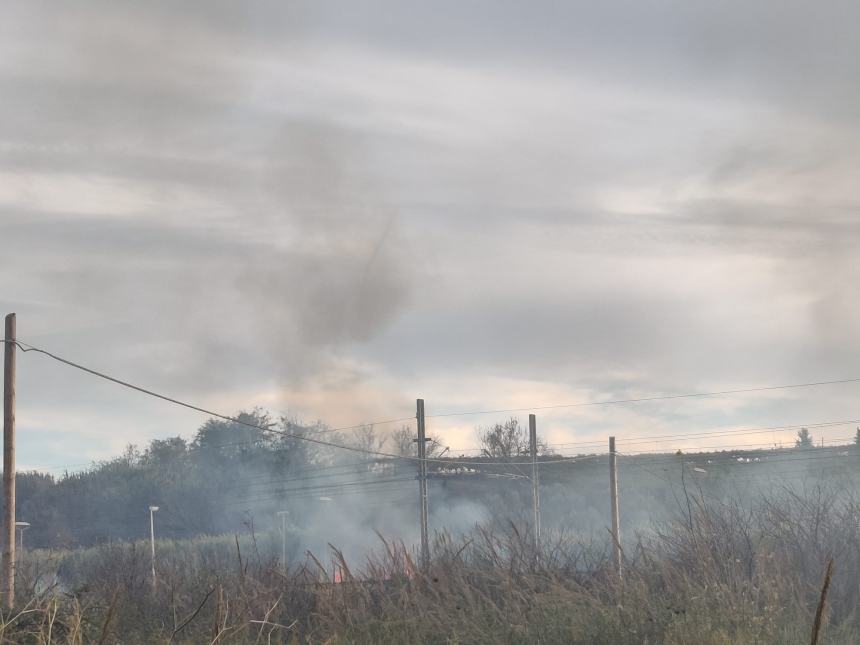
point(719, 573)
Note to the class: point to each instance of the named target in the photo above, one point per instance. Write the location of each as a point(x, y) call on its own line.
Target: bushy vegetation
point(230, 476)
point(724, 547)
point(196, 483)
point(717, 573)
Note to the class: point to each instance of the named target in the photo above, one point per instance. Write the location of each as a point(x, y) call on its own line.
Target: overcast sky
point(330, 209)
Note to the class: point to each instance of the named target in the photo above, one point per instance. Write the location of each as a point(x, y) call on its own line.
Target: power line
point(315, 495)
point(774, 477)
point(797, 475)
point(664, 397)
point(781, 478)
point(692, 436)
point(308, 472)
point(276, 495)
point(724, 450)
point(626, 441)
point(740, 431)
point(357, 470)
point(747, 447)
point(835, 452)
point(26, 347)
point(321, 488)
point(261, 481)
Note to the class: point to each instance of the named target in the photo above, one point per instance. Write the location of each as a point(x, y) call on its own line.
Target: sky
point(331, 209)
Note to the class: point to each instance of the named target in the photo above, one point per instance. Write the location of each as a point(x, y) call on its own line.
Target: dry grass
point(719, 574)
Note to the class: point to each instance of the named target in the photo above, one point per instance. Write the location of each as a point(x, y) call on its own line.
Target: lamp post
point(21, 526)
point(283, 516)
point(152, 510)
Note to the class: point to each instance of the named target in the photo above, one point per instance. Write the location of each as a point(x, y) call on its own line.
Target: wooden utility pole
point(9, 462)
point(422, 482)
point(613, 494)
point(535, 478)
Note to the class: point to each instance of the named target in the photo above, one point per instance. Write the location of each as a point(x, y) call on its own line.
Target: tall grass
point(718, 573)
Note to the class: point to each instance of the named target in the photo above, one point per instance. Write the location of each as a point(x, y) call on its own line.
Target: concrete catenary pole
point(422, 482)
point(613, 495)
point(535, 477)
point(9, 462)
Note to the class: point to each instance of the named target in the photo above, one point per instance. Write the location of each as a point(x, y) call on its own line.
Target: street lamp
point(283, 516)
point(152, 510)
point(21, 526)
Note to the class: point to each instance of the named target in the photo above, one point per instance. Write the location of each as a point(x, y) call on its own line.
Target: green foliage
point(189, 481)
point(230, 475)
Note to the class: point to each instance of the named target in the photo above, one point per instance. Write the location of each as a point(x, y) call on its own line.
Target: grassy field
point(718, 573)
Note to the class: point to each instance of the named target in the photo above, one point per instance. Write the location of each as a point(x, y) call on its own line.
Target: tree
point(365, 438)
point(165, 451)
point(508, 439)
point(504, 440)
point(224, 439)
point(804, 439)
point(292, 447)
point(404, 444)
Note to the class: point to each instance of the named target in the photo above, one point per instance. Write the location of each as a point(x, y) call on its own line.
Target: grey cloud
point(580, 335)
point(310, 191)
point(774, 50)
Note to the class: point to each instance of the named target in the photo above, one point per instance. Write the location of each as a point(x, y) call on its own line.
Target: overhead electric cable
point(662, 397)
point(26, 347)
point(834, 453)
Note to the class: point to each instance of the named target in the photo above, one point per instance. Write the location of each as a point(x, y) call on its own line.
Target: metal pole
point(422, 482)
point(613, 494)
point(283, 515)
point(9, 462)
point(152, 510)
point(21, 526)
point(535, 477)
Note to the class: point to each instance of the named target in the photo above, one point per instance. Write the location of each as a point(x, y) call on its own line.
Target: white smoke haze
point(309, 214)
point(332, 211)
